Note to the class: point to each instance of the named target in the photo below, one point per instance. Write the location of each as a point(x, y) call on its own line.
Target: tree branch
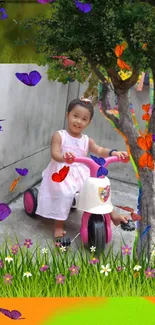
point(112, 117)
point(122, 85)
point(96, 70)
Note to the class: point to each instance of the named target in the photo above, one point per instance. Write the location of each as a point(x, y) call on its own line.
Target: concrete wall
point(33, 114)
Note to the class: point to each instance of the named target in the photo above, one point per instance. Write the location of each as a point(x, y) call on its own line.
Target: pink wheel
point(30, 201)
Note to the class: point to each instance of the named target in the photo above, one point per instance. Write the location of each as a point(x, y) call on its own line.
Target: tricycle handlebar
point(93, 166)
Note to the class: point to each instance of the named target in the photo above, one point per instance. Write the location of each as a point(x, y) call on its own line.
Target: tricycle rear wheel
point(97, 232)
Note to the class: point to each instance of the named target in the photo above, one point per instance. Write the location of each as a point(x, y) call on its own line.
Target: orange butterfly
point(134, 216)
point(146, 116)
point(144, 45)
point(145, 143)
point(119, 49)
point(13, 185)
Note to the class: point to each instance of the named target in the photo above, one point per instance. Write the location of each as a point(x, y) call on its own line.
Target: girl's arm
point(56, 148)
point(97, 150)
point(104, 152)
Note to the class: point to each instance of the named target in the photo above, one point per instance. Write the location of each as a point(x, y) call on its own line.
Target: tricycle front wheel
point(97, 232)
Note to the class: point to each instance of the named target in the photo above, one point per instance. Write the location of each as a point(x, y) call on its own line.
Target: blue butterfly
point(84, 7)
point(100, 161)
point(30, 79)
point(145, 232)
point(3, 15)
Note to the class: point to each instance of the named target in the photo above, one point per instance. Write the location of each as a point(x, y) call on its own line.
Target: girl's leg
point(118, 218)
point(59, 228)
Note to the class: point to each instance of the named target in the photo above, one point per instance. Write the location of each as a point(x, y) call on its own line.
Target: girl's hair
point(88, 105)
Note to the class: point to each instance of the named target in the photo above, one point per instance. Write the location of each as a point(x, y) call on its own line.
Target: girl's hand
point(69, 157)
point(120, 154)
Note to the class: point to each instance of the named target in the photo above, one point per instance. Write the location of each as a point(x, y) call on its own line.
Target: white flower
point(9, 259)
point(44, 250)
point(93, 249)
point(105, 269)
point(63, 249)
point(137, 267)
point(153, 253)
point(27, 274)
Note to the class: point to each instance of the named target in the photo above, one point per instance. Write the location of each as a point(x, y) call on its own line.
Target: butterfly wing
point(2, 10)
point(142, 143)
point(56, 178)
point(125, 208)
point(35, 77)
point(63, 172)
point(148, 139)
point(84, 7)
point(95, 159)
point(24, 78)
point(123, 65)
point(68, 63)
point(150, 161)
point(135, 217)
point(22, 172)
point(144, 45)
point(15, 314)
point(146, 117)
point(118, 50)
point(5, 211)
point(15, 182)
point(4, 16)
point(6, 312)
point(146, 107)
point(142, 161)
point(101, 161)
point(43, 2)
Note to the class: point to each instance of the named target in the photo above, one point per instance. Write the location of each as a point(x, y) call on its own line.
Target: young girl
point(55, 199)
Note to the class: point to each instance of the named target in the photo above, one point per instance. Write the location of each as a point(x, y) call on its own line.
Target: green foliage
point(11, 32)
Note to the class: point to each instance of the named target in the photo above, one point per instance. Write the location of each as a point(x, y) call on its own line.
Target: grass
point(89, 282)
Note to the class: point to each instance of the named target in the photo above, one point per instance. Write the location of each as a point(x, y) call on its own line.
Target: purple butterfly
point(100, 161)
point(22, 172)
point(13, 314)
point(4, 15)
point(84, 7)
point(153, 137)
point(43, 2)
point(30, 80)
point(5, 211)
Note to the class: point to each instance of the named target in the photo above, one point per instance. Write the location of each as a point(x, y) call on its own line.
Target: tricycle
point(94, 199)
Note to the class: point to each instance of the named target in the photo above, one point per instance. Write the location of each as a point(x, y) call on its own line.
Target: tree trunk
point(147, 177)
point(126, 126)
point(147, 210)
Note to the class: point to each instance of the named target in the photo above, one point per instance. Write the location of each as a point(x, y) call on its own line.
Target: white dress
point(55, 199)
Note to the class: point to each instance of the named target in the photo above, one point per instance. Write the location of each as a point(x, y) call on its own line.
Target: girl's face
point(78, 120)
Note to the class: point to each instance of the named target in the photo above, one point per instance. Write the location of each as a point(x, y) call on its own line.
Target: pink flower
point(126, 250)
point(60, 279)
point(7, 279)
point(74, 269)
point(149, 273)
point(44, 268)
point(1, 264)
point(94, 260)
point(15, 249)
point(28, 243)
